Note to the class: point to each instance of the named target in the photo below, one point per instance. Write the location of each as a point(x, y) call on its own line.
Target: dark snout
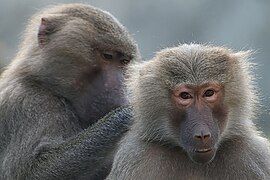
point(204, 146)
point(201, 132)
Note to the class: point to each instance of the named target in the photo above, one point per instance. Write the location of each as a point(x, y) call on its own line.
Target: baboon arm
point(83, 154)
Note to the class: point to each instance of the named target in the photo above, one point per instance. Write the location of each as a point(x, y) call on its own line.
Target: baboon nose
point(203, 136)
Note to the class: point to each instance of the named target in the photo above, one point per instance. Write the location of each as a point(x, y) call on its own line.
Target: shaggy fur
point(44, 115)
point(151, 149)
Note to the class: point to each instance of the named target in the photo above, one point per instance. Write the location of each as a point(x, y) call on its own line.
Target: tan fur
point(151, 150)
point(53, 94)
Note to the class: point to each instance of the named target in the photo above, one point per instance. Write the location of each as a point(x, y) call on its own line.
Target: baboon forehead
point(101, 20)
point(89, 13)
point(104, 27)
point(194, 64)
point(194, 53)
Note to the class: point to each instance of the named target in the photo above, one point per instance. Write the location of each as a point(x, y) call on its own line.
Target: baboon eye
point(209, 93)
point(125, 61)
point(185, 95)
point(108, 56)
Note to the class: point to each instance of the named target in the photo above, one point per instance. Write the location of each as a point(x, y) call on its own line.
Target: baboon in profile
point(193, 110)
point(66, 76)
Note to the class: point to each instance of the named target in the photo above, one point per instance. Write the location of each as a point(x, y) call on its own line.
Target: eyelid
point(125, 61)
point(212, 88)
point(108, 53)
point(190, 95)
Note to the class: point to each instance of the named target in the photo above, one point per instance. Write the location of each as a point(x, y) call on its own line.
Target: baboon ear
point(43, 31)
point(48, 25)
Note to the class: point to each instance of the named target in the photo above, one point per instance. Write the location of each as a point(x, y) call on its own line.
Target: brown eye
point(107, 56)
point(209, 93)
point(125, 61)
point(185, 95)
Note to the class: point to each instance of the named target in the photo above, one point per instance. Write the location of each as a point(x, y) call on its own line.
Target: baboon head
point(191, 96)
point(77, 52)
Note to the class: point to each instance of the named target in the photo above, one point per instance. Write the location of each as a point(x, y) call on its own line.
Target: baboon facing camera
point(193, 111)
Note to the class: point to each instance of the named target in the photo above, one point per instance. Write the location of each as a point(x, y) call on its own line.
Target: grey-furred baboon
point(193, 110)
point(67, 75)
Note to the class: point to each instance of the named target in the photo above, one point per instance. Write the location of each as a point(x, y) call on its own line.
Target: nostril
point(207, 136)
point(204, 136)
point(198, 137)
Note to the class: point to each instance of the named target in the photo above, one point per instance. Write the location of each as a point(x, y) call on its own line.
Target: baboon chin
point(193, 109)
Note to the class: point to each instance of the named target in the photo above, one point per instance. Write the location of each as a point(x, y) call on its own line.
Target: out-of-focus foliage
point(240, 24)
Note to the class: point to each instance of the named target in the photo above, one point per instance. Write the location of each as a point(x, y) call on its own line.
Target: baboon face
point(102, 87)
point(200, 115)
point(183, 93)
point(197, 95)
point(85, 51)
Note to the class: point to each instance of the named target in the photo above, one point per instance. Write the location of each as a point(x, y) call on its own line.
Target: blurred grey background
point(155, 24)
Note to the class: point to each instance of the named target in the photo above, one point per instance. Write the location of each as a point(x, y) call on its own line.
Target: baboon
point(67, 75)
point(193, 110)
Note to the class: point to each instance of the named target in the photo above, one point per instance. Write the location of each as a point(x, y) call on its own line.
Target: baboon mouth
point(203, 156)
point(203, 150)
